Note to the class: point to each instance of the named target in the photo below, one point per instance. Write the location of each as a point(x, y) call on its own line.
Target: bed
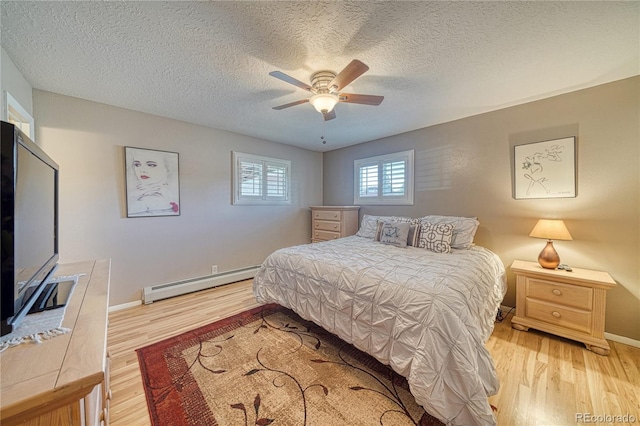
point(426, 314)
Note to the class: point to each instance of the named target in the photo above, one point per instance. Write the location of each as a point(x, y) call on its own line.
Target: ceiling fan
point(326, 87)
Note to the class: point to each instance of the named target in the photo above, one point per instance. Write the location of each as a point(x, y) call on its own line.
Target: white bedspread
point(427, 315)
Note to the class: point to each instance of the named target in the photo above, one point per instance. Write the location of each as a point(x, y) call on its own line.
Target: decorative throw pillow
point(368, 225)
point(414, 235)
point(394, 233)
point(464, 228)
point(412, 238)
point(436, 237)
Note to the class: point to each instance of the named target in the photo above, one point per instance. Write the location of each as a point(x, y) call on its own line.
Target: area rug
point(268, 366)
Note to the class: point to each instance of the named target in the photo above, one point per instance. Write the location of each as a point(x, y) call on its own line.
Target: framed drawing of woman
point(153, 185)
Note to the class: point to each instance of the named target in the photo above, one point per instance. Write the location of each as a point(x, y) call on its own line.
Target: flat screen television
point(29, 227)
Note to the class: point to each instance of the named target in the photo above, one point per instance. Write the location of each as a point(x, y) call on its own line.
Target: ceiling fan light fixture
point(324, 101)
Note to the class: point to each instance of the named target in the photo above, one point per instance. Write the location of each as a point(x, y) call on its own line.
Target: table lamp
point(550, 230)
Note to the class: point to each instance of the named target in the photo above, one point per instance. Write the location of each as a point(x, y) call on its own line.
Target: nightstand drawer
point(563, 294)
point(321, 225)
point(325, 235)
point(574, 319)
point(326, 215)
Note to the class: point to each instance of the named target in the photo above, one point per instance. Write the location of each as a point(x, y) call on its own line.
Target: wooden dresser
point(332, 222)
point(568, 304)
point(64, 380)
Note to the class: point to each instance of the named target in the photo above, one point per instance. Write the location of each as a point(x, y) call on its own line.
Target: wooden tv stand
point(63, 380)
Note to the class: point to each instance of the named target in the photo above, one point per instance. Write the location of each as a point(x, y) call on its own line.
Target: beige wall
point(474, 156)
point(87, 140)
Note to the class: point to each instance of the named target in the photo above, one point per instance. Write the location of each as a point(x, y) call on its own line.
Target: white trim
point(23, 114)
point(125, 306)
point(622, 339)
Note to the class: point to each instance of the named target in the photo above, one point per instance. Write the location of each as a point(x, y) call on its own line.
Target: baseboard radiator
point(165, 291)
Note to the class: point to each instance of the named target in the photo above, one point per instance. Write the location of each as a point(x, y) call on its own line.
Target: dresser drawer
point(563, 294)
point(574, 319)
point(326, 215)
point(333, 222)
point(325, 235)
point(323, 225)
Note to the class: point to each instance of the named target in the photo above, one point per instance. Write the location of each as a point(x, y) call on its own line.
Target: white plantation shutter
point(277, 181)
point(261, 180)
point(250, 178)
point(386, 179)
point(393, 178)
point(368, 180)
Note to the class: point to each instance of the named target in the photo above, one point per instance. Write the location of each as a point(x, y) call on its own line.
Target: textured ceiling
point(208, 62)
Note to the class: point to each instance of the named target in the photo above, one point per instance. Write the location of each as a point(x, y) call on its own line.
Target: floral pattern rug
point(268, 366)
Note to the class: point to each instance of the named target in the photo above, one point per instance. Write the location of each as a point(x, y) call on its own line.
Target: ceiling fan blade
point(361, 99)
point(288, 79)
point(352, 71)
point(329, 115)
point(302, 101)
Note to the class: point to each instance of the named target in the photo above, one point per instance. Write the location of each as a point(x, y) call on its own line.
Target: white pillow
point(464, 228)
point(369, 224)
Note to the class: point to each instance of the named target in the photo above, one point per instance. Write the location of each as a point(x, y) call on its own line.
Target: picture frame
point(545, 169)
point(152, 182)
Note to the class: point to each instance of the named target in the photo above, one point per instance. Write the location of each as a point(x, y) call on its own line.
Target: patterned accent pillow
point(394, 233)
point(436, 237)
point(464, 228)
point(412, 238)
point(369, 224)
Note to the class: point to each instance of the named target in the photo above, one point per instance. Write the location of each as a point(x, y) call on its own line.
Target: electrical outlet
point(214, 269)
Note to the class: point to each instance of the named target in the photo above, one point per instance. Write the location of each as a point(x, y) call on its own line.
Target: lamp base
point(548, 257)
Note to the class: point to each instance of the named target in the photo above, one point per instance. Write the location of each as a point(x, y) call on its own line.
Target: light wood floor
point(545, 380)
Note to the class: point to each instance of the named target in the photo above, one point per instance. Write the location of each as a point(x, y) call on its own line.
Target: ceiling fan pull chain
point(324, 131)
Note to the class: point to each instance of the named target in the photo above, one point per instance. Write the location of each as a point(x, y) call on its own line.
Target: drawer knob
point(335, 237)
point(317, 234)
point(335, 215)
point(335, 226)
point(557, 292)
point(555, 314)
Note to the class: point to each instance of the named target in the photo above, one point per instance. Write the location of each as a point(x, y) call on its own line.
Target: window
point(386, 179)
point(260, 180)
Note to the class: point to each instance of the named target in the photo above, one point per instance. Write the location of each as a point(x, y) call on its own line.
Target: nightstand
point(333, 222)
point(567, 304)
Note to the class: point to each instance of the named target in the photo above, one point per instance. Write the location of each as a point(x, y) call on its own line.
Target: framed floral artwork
point(153, 183)
point(545, 169)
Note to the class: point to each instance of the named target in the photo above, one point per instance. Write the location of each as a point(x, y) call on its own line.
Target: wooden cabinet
point(332, 222)
point(64, 380)
point(568, 304)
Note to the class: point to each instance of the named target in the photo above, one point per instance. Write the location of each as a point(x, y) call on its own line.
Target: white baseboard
point(622, 339)
point(608, 336)
point(125, 306)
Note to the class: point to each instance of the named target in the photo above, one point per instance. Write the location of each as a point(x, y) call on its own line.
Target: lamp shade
point(324, 101)
point(551, 229)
